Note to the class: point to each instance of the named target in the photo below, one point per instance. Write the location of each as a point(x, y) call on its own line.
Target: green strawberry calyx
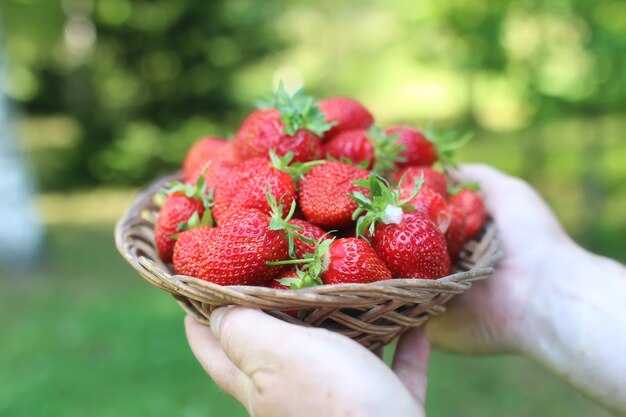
point(278, 222)
point(387, 149)
point(304, 280)
point(197, 191)
point(297, 111)
point(345, 160)
point(447, 144)
point(463, 185)
point(296, 170)
point(312, 266)
point(383, 205)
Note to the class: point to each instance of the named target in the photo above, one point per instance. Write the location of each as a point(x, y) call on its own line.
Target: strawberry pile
point(311, 193)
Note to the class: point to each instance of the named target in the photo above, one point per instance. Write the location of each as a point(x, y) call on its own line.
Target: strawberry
point(409, 243)
point(190, 248)
point(247, 185)
point(427, 203)
point(346, 114)
point(353, 145)
point(412, 248)
point(353, 260)
point(293, 280)
point(456, 234)
point(433, 179)
point(324, 192)
point(372, 147)
point(292, 124)
point(276, 284)
point(310, 232)
point(417, 149)
point(210, 153)
point(337, 261)
point(185, 206)
point(473, 209)
point(239, 250)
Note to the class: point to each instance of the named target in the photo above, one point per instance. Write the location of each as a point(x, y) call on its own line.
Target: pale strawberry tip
point(384, 204)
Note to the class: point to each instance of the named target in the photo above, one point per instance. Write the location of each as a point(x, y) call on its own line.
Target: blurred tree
point(143, 79)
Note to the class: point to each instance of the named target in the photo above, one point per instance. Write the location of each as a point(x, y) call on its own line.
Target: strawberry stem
point(296, 170)
point(447, 144)
point(387, 150)
point(279, 223)
point(298, 111)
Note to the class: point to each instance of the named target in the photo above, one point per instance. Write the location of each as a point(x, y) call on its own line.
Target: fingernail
point(216, 320)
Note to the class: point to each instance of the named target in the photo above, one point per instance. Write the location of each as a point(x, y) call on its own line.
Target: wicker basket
point(372, 314)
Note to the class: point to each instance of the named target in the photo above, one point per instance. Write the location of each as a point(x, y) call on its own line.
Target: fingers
point(410, 363)
point(511, 201)
point(497, 187)
point(249, 337)
point(209, 353)
point(456, 330)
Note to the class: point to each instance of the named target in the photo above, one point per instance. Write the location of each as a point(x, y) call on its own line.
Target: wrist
point(552, 300)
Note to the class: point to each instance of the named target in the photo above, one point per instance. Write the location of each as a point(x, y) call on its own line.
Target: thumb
point(410, 363)
point(249, 336)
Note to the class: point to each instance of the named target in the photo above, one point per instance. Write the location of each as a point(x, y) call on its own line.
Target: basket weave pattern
point(372, 314)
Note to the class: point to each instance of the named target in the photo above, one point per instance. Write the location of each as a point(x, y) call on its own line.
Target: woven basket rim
point(158, 273)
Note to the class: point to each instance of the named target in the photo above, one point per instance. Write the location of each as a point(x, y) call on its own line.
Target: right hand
point(496, 315)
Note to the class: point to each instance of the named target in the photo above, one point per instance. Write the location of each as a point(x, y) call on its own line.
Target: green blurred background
point(108, 94)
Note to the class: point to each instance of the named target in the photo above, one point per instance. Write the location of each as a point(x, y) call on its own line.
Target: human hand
point(548, 299)
point(498, 314)
point(278, 369)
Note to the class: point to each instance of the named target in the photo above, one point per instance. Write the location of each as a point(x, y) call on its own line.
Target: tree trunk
point(21, 233)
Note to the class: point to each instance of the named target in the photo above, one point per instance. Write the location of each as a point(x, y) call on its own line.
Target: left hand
point(279, 369)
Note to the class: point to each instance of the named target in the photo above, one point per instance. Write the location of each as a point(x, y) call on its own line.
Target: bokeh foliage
point(133, 83)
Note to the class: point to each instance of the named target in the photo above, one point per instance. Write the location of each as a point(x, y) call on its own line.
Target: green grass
point(83, 335)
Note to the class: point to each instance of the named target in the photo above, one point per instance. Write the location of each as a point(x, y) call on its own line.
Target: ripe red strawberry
point(292, 124)
point(238, 251)
point(246, 187)
point(353, 145)
point(473, 208)
point(455, 235)
point(409, 243)
point(190, 249)
point(428, 203)
point(346, 113)
point(263, 130)
point(310, 232)
point(372, 147)
point(337, 261)
point(417, 149)
point(183, 203)
point(412, 248)
point(212, 153)
point(436, 180)
point(323, 194)
point(353, 260)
